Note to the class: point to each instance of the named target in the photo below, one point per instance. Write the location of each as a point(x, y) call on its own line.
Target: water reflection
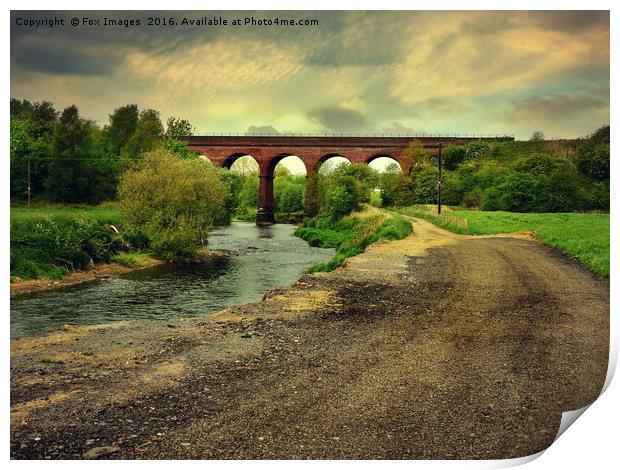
point(262, 258)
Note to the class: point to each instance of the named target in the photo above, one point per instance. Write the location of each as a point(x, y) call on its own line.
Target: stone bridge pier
point(268, 151)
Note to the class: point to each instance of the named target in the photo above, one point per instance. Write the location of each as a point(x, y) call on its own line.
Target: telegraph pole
point(439, 180)
point(29, 182)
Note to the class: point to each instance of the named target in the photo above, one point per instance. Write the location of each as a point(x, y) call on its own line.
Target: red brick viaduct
point(313, 151)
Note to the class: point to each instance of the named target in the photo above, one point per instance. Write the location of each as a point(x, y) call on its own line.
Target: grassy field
point(585, 237)
point(106, 213)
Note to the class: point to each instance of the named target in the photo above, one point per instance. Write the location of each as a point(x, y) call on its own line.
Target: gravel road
point(435, 346)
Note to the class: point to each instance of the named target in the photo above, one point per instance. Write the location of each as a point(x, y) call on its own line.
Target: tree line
point(65, 157)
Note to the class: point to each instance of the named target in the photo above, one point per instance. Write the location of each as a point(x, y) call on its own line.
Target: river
point(262, 258)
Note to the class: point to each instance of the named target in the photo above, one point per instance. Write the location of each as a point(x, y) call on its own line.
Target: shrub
point(173, 201)
point(53, 246)
point(426, 186)
point(174, 246)
point(343, 197)
point(453, 155)
point(593, 160)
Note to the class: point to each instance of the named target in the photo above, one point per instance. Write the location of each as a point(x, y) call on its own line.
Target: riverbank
point(98, 271)
point(435, 346)
point(139, 261)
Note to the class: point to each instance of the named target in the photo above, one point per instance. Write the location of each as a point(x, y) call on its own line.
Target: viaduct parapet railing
point(269, 150)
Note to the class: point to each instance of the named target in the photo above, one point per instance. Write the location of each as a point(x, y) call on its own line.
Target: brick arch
point(268, 150)
point(227, 162)
point(273, 162)
point(374, 157)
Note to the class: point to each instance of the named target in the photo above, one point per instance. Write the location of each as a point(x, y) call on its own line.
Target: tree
point(123, 124)
point(174, 201)
point(537, 136)
point(289, 192)
point(593, 160)
point(342, 197)
point(147, 135)
point(416, 156)
point(234, 183)
point(67, 180)
point(245, 166)
point(178, 127)
point(426, 186)
point(453, 155)
point(248, 197)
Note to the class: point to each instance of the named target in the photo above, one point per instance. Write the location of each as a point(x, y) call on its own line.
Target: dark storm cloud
point(339, 119)
point(393, 72)
point(68, 48)
point(571, 21)
point(60, 57)
point(557, 107)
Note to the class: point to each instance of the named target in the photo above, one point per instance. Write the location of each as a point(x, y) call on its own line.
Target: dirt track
point(470, 349)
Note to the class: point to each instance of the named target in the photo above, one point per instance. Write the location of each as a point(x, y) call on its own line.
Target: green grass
point(50, 242)
point(105, 213)
point(47, 360)
point(584, 237)
point(131, 260)
point(351, 234)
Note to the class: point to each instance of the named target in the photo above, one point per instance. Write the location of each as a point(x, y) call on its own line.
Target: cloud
point(572, 21)
point(58, 56)
point(355, 71)
point(339, 119)
point(398, 128)
point(554, 108)
point(262, 130)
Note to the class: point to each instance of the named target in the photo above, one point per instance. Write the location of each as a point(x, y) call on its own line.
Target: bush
point(54, 246)
point(178, 247)
point(173, 201)
point(289, 193)
point(593, 161)
point(426, 186)
point(453, 155)
point(342, 197)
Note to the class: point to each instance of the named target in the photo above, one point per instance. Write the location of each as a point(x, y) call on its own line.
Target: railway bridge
point(268, 151)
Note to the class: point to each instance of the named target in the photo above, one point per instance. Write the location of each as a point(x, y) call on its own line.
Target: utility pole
point(29, 182)
point(439, 180)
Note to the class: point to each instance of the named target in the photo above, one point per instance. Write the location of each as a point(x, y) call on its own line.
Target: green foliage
point(234, 183)
point(426, 186)
point(453, 155)
point(147, 135)
point(178, 127)
point(345, 188)
point(178, 147)
point(131, 260)
point(248, 196)
point(343, 197)
point(593, 160)
point(52, 246)
point(123, 124)
point(289, 193)
point(67, 172)
point(350, 236)
point(178, 215)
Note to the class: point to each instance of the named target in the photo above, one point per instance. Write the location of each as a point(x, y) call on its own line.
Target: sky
point(367, 72)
